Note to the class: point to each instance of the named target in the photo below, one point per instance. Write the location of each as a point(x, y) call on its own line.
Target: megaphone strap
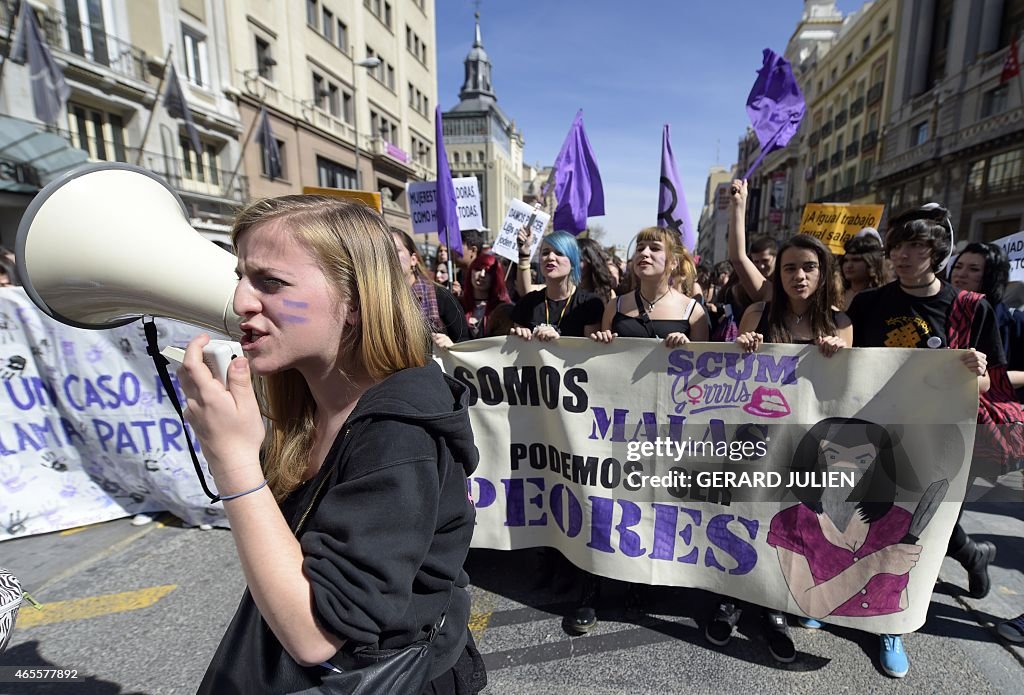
point(153, 348)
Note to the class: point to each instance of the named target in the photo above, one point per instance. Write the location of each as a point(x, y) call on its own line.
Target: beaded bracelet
point(262, 485)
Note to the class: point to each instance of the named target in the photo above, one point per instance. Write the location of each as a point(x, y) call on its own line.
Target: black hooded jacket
point(385, 541)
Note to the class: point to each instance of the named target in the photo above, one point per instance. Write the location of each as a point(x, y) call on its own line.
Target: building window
point(976, 178)
point(387, 15)
point(342, 36)
point(202, 168)
point(380, 10)
point(1004, 172)
point(263, 58)
point(313, 13)
point(941, 31)
point(849, 59)
point(265, 160)
point(86, 29)
point(455, 158)
point(383, 127)
point(919, 134)
point(98, 133)
point(883, 25)
point(420, 148)
point(328, 25)
point(851, 177)
point(994, 101)
point(195, 57)
point(391, 77)
point(866, 167)
point(327, 95)
point(333, 175)
point(865, 44)
point(1012, 23)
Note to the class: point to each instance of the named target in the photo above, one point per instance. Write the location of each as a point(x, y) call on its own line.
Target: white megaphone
point(110, 243)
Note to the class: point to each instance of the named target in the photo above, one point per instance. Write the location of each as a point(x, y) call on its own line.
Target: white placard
point(423, 205)
point(518, 215)
point(1014, 247)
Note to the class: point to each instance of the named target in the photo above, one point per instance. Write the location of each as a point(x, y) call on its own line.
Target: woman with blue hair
point(559, 307)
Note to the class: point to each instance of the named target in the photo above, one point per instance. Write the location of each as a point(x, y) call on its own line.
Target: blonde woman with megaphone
point(350, 514)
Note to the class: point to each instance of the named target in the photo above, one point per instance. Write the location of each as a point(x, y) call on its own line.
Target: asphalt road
point(141, 610)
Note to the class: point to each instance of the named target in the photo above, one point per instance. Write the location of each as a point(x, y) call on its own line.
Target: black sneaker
point(776, 631)
point(583, 620)
point(718, 630)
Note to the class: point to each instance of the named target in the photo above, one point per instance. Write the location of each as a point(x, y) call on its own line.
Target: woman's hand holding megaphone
point(226, 420)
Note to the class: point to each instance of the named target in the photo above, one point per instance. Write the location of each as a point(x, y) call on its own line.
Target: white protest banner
point(1014, 247)
point(517, 216)
point(87, 434)
point(704, 467)
point(423, 205)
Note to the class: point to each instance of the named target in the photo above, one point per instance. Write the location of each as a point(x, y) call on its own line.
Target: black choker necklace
point(918, 287)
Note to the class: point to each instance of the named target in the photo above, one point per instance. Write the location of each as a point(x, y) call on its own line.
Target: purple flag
point(447, 212)
point(577, 181)
point(49, 90)
point(672, 210)
point(174, 102)
point(775, 105)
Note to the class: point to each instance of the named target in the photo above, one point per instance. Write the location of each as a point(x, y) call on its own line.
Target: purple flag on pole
point(577, 181)
point(447, 212)
point(49, 90)
point(775, 105)
point(672, 210)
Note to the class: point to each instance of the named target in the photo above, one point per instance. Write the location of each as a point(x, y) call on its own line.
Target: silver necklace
point(798, 317)
point(650, 304)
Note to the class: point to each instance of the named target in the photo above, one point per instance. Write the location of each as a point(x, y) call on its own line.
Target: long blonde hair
point(353, 247)
point(686, 270)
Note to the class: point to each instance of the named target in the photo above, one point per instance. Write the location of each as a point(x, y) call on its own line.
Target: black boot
point(975, 557)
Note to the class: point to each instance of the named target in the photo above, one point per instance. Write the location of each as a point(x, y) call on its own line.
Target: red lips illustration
point(767, 402)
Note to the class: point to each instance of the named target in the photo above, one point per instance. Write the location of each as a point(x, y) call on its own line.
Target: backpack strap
point(689, 309)
point(961, 318)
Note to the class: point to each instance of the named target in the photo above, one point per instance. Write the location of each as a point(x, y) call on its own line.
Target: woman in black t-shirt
point(913, 312)
point(660, 306)
point(560, 307)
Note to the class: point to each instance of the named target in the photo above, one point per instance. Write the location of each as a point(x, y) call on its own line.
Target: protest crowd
point(339, 434)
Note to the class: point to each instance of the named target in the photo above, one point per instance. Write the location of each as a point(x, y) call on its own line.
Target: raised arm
point(523, 280)
point(753, 282)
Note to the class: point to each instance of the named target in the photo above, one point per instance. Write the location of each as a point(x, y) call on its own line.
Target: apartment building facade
point(349, 85)
point(955, 131)
point(114, 54)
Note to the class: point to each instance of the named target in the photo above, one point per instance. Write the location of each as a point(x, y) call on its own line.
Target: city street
point(141, 610)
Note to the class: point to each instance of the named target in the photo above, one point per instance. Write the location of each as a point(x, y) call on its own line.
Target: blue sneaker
point(893, 658)
point(809, 623)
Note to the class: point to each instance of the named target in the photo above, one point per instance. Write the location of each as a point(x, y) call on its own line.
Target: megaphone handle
point(153, 348)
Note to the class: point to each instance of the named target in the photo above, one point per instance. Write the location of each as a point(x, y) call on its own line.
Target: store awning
point(31, 157)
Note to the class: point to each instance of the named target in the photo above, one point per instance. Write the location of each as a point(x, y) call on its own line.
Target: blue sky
point(631, 67)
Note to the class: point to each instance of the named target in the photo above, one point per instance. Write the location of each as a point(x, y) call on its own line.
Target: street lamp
point(370, 63)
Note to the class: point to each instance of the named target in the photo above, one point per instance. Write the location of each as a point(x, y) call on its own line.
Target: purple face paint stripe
point(292, 318)
point(295, 305)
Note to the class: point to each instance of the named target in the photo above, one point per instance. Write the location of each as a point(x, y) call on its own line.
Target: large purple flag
point(672, 210)
point(49, 90)
point(447, 212)
point(775, 105)
point(577, 181)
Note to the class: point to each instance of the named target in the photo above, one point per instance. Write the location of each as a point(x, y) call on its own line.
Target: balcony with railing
point(868, 142)
point(852, 149)
point(875, 93)
point(814, 138)
point(194, 176)
point(826, 129)
point(861, 189)
point(836, 159)
point(92, 44)
point(841, 119)
point(822, 168)
point(857, 107)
